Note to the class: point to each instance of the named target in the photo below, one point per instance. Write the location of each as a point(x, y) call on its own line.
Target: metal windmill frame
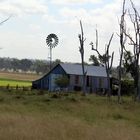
point(52, 42)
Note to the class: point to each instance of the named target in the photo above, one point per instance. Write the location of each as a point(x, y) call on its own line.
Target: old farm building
point(96, 78)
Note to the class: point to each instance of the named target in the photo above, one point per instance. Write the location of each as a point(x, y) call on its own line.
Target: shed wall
point(48, 81)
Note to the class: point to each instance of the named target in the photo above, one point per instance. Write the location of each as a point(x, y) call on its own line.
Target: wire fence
point(24, 88)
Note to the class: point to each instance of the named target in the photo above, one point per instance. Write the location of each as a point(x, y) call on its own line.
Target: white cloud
point(70, 13)
point(19, 7)
point(34, 27)
point(105, 19)
point(63, 2)
point(27, 35)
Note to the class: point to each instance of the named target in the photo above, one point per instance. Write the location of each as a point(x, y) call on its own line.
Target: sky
point(24, 34)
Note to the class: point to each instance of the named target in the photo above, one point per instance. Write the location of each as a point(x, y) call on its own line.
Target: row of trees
point(128, 59)
point(26, 65)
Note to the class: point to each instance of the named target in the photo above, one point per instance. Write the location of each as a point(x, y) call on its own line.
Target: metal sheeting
point(76, 69)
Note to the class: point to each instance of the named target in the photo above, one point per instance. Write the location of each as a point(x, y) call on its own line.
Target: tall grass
point(32, 116)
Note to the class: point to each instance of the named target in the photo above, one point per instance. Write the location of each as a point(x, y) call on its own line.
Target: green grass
point(39, 115)
point(14, 79)
point(11, 82)
point(36, 115)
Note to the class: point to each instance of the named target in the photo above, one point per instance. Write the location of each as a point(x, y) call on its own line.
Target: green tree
point(100, 60)
point(62, 81)
point(15, 63)
point(41, 66)
point(94, 60)
point(25, 64)
point(56, 62)
point(134, 37)
point(129, 65)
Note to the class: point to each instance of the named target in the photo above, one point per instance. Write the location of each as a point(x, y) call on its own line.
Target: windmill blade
point(52, 40)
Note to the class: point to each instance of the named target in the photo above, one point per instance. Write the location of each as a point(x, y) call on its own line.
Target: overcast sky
point(24, 35)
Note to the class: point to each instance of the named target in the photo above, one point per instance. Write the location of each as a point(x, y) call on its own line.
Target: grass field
point(10, 82)
point(14, 79)
point(31, 116)
point(19, 76)
point(39, 115)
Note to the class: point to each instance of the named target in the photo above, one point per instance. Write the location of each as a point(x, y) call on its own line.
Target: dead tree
point(108, 64)
point(135, 42)
point(5, 20)
point(106, 59)
point(81, 50)
point(122, 43)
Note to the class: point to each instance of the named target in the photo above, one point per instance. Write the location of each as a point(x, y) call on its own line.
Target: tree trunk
point(109, 85)
point(139, 89)
point(119, 77)
point(81, 49)
point(84, 75)
point(122, 43)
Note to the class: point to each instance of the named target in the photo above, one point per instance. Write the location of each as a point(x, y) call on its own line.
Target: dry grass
point(43, 127)
point(33, 117)
point(19, 76)
point(14, 79)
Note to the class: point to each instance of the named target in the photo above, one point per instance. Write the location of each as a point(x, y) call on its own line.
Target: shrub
point(128, 87)
point(62, 81)
point(55, 96)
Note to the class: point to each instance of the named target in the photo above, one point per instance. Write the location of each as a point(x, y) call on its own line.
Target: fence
point(24, 88)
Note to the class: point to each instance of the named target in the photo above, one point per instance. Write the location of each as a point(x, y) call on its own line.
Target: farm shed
point(96, 78)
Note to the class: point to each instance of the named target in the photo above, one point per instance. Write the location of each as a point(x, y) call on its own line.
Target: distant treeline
point(39, 66)
point(26, 65)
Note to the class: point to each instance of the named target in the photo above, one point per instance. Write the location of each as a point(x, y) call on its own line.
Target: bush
point(62, 81)
point(55, 96)
point(128, 87)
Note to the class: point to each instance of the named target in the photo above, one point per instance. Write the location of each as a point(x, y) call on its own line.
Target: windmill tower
point(52, 42)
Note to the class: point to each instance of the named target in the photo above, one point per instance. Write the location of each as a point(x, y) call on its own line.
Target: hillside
point(32, 116)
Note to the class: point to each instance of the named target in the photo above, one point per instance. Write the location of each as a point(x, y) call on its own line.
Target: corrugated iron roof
point(76, 69)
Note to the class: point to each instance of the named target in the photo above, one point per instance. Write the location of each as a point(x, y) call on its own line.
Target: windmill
point(52, 42)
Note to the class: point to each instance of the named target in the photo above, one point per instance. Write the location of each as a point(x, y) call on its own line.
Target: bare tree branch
point(108, 45)
point(96, 47)
point(96, 39)
point(106, 58)
point(5, 20)
point(135, 41)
